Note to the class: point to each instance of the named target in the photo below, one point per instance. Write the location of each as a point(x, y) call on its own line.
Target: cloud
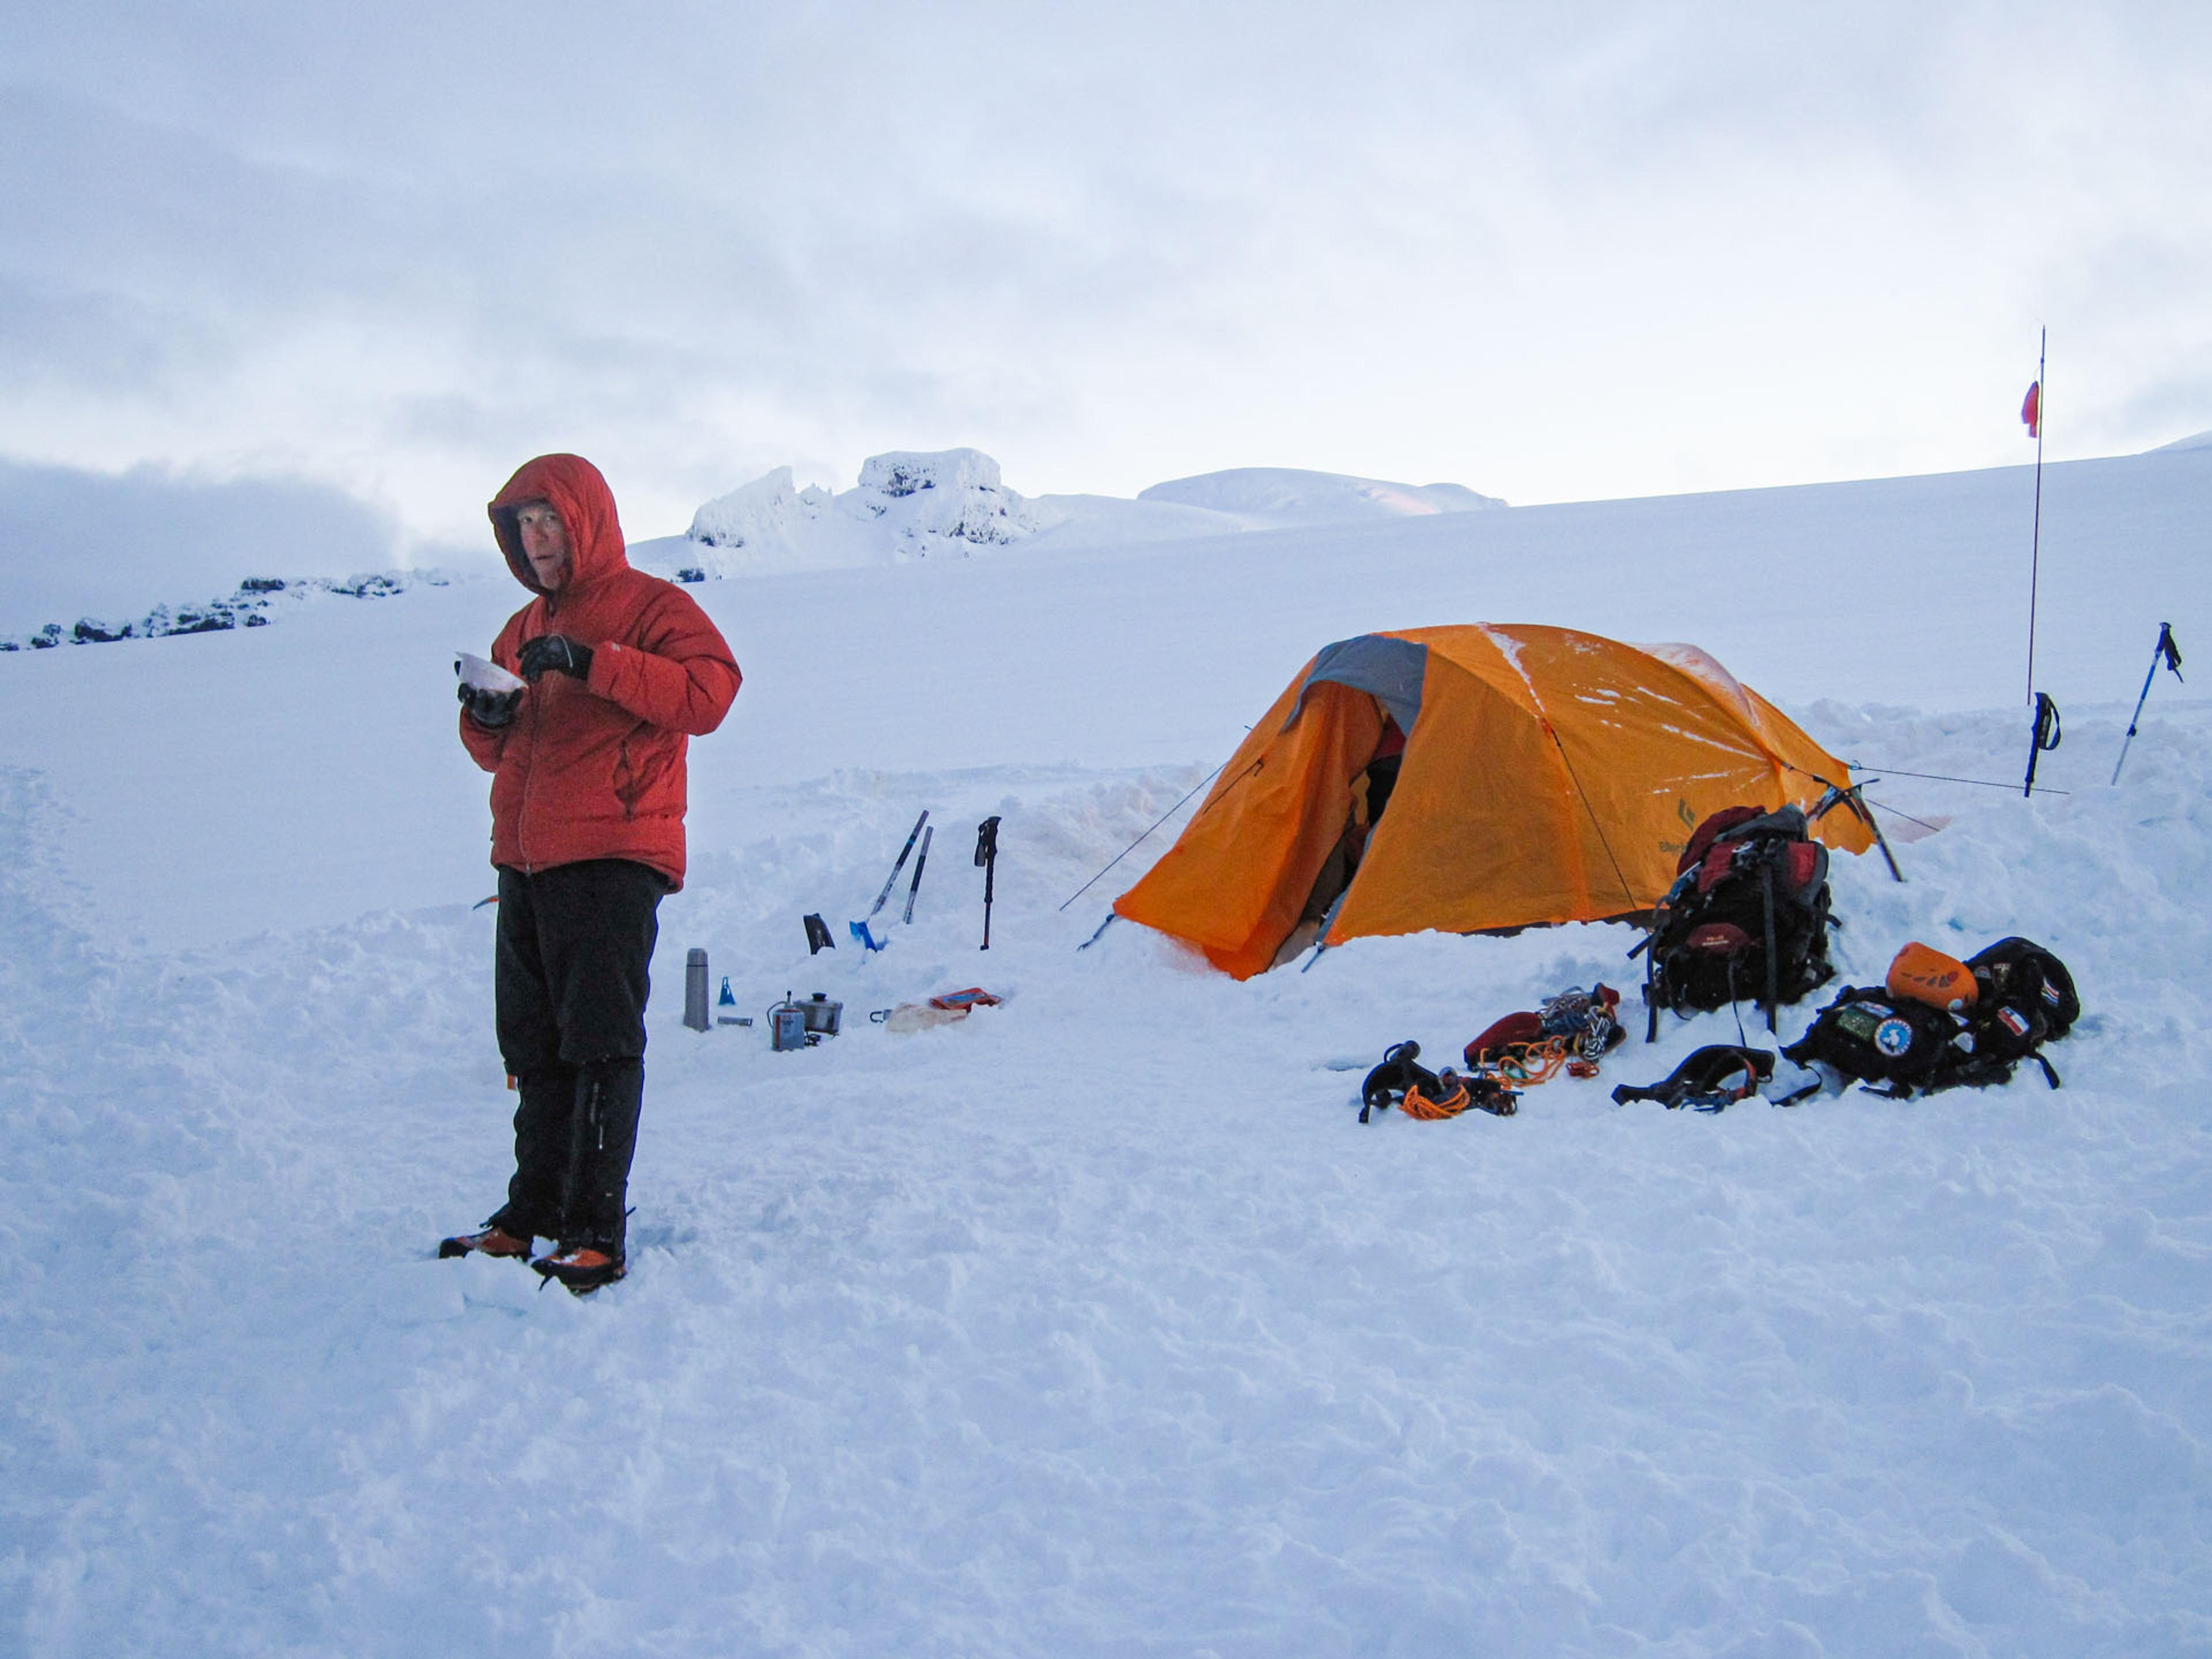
point(1584, 249)
point(112, 546)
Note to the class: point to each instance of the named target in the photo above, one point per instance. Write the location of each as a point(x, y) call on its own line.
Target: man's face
point(545, 544)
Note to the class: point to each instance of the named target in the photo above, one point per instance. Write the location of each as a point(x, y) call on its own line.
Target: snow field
point(1096, 1323)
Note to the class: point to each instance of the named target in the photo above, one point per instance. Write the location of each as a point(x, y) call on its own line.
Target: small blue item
point(726, 1000)
point(859, 931)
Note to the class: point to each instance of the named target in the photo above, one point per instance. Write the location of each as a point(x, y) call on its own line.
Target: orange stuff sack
point(1920, 974)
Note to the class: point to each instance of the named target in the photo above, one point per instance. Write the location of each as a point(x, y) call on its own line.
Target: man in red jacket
point(587, 799)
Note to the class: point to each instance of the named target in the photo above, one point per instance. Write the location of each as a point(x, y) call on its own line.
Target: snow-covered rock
point(908, 472)
point(908, 505)
point(768, 511)
point(916, 504)
point(933, 502)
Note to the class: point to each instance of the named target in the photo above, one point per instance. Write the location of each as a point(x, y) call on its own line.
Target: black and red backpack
point(1746, 918)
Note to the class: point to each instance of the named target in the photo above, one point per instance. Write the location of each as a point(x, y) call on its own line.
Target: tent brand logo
point(1892, 1037)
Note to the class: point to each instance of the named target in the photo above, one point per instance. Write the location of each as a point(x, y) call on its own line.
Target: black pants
point(576, 945)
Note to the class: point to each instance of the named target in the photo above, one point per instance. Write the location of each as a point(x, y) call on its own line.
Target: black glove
point(490, 709)
point(557, 653)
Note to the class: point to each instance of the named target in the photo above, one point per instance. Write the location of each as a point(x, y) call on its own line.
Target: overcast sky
point(1551, 252)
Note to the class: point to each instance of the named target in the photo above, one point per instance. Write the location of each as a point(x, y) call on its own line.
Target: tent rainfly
point(1547, 775)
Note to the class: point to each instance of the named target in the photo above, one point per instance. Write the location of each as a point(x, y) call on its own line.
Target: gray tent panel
point(1392, 669)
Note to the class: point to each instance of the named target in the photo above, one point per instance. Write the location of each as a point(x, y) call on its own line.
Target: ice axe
point(859, 929)
point(2166, 651)
point(1855, 797)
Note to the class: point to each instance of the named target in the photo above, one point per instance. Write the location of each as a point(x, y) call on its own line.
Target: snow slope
point(1097, 1324)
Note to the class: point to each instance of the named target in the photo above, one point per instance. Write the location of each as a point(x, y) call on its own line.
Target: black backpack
point(2025, 998)
point(1747, 916)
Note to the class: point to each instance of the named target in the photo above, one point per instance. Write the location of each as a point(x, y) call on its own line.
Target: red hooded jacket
point(594, 769)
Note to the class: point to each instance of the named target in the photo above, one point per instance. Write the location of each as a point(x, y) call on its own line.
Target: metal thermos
point(787, 1025)
point(695, 990)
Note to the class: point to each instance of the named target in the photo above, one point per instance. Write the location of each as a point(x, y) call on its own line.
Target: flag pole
point(2043, 734)
point(2035, 544)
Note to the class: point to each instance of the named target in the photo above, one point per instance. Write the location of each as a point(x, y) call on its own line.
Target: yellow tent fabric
point(1549, 775)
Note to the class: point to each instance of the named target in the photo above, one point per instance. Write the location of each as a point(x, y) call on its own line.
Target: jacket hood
point(586, 508)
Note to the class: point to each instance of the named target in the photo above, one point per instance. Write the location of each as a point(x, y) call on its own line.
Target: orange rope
point(1526, 1062)
point(1418, 1105)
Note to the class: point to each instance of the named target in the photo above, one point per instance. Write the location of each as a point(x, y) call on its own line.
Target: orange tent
point(1547, 776)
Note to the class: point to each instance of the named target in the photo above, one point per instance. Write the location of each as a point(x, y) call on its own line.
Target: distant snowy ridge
point(249, 607)
point(2194, 441)
point(917, 505)
point(1268, 496)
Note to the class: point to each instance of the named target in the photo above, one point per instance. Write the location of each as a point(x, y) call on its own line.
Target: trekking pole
point(2166, 651)
point(987, 854)
point(915, 886)
point(2042, 739)
point(892, 879)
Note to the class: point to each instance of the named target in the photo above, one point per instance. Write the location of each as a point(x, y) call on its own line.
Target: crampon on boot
point(581, 1268)
point(492, 1241)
